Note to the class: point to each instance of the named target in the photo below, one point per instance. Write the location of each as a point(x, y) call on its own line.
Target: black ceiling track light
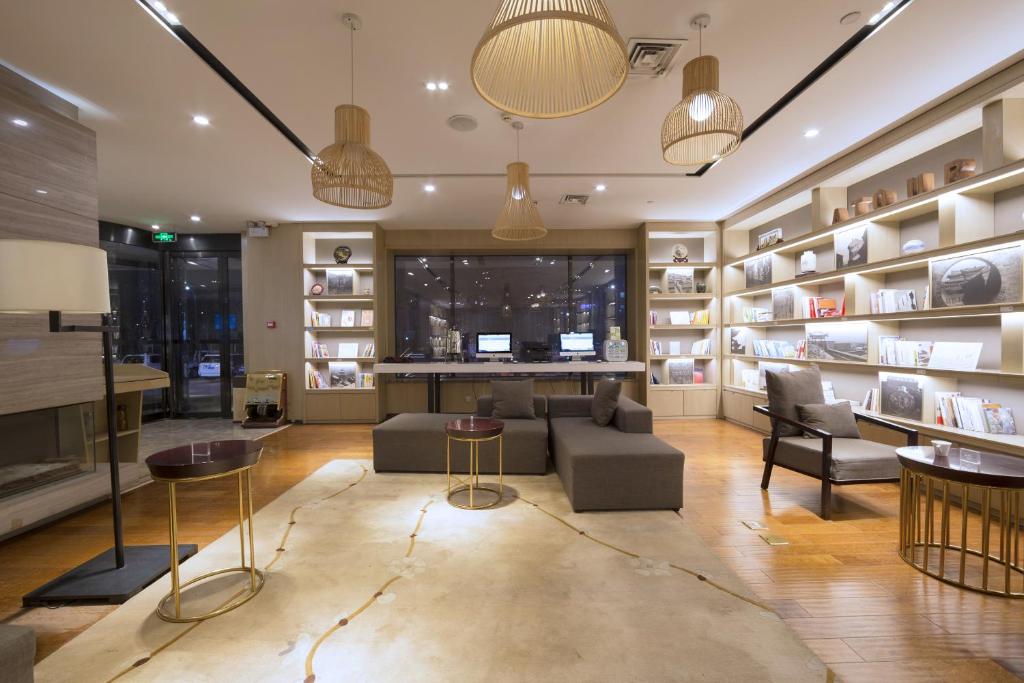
point(874, 25)
point(169, 21)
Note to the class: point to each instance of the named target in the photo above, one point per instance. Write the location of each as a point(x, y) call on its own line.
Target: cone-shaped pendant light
point(549, 58)
point(348, 173)
point(519, 219)
point(706, 125)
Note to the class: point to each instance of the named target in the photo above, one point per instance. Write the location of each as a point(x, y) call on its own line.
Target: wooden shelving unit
point(355, 403)
point(666, 398)
point(974, 216)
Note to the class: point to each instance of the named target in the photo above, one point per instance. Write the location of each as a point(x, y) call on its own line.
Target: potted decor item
point(342, 254)
point(701, 286)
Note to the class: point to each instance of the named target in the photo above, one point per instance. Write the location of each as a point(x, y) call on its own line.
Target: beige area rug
point(380, 579)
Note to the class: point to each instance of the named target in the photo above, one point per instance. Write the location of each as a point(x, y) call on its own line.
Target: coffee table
point(474, 431)
point(179, 466)
point(994, 485)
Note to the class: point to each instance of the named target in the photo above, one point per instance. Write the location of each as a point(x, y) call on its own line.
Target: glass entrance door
point(206, 332)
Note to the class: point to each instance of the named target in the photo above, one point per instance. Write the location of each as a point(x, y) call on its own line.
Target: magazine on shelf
point(674, 348)
point(902, 396)
point(366, 317)
point(314, 380)
point(851, 247)
point(823, 307)
point(701, 347)
point(896, 351)
point(774, 348)
point(348, 318)
point(738, 340)
point(679, 317)
point(701, 317)
point(893, 301)
point(751, 380)
point(756, 315)
point(348, 349)
point(972, 414)
point(343, 375)
point(319, 319)
point(870, 402)
point(369, 350)
point(366, 380)
point(999, 420)
point(955, 355)
point(764, 367)
point(655, 347)
point(680, 371)
point(680, 280)
point(783, 303)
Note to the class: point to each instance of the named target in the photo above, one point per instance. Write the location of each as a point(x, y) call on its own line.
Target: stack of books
point(701, 347)
point(972, 414)
point(893, 301)
point(319, 351)
point(701, 317)
point(823, 307)
point(756, 315)
point(314, 380)
point(319, 319)
point(773, 348)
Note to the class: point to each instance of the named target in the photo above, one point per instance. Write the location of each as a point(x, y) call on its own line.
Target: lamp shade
point(519, 219)
point(348, 173)
point(549, 58)
point(706, 125)
point(37, 276)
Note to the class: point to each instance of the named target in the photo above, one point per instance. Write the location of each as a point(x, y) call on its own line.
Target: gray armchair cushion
point(837, 419)
point(606, 399)
point(17, 653)
point(513, 399)
point(633, 418)
point(485, 406)
point(852, 459)
point(787, 389)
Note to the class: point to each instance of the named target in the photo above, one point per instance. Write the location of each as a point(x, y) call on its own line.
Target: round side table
point(956, 547)
point(179, 466)
point(474, 431)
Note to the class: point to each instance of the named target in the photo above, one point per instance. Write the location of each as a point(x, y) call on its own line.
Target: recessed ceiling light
point(811, 133)
point(600, 187)
point(21, 123)
point(849, 18)
point(431, 85)
point(155, 227)
point(41, 192)
point(429, 188)
point(200, 120)
point(442, 85)
point(195, 219)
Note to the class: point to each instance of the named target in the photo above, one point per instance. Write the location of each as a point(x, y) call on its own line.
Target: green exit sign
point(165, 237)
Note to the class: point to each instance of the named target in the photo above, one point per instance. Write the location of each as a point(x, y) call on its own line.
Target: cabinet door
point(322, 407)
point(701, 402)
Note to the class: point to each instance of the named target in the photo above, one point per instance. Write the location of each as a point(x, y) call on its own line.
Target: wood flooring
point(839, 584)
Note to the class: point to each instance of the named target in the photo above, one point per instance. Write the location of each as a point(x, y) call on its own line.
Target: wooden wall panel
point(39, 369)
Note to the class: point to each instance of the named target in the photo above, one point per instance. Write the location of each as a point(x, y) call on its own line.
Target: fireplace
point(40, 447)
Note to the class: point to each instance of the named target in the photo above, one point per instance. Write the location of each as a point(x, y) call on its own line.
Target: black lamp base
point(99, 580)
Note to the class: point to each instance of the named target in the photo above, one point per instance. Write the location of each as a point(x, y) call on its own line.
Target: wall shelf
point(361, 330)
point(332, 298)
point(361, 267)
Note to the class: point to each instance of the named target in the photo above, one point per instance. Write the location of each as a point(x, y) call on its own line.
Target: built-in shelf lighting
point(878, 16)
point(200, 120)
point(811, 133)
point(195, 219)
point(167, 14)
point(42, 191)
point(410, 273)
point(20, 123)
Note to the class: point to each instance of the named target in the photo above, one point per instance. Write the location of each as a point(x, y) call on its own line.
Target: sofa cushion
point(513, 399)
point(604, 402)
point(852, 459)
point(837, 419)
point(787, 389)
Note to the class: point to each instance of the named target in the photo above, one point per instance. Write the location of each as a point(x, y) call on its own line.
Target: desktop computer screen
point(576, 344)
point(493, 345)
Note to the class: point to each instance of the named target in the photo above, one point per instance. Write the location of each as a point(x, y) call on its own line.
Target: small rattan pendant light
point(706, 125)
point(348, 173)
point(549, 58)
point(519, 219)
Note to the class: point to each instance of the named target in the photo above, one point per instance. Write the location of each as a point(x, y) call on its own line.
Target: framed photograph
point(738, 340)
point(851, 247)
point(343, 375)
point(902, 396)
point(784, 303)
point(366, 317)
point(680, 371)
point(348, 318)
point(838, 341)
point(680, 280)
point(340, 280)
point(767, 239)
point(988, 277)
point(758, 271)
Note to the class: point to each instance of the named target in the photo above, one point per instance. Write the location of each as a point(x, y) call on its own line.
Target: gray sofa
point(17, 653)
point(415, 442)
point(619, 467)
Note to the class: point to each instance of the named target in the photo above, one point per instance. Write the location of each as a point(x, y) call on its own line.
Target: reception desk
point(433, 372)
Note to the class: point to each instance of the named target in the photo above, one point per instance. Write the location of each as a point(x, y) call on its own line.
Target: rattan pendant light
point(706, 125)
point(519, 219)
point(549, 58)
point(348, 173)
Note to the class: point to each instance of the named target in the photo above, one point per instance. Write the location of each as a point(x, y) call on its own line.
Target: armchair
point(832, 460)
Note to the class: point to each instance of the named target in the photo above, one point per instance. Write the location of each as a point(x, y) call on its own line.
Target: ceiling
point(138, 87)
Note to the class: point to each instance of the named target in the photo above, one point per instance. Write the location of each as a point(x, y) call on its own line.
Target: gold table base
point(928, 524)
point(172, 612)
point(472, 482)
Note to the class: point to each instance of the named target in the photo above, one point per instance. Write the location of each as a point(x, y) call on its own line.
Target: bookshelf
point(340, 333)
point(964, 271)
point(681, 311)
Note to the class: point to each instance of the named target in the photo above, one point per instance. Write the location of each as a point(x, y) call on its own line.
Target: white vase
point(808, 262)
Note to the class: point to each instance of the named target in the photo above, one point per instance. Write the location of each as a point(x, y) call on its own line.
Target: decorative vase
point(702, 287)
point(342, 254)
point(913, 246)
point(808, 262)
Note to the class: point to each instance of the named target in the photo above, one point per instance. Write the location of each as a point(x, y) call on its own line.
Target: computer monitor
point(576, 344)
point(493, 345)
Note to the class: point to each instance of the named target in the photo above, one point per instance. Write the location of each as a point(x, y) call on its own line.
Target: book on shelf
point(870, 401)
point(366, 317)
point(701, 317)
point(343, 375)
point(348, 349)
point(896, 351)
point(679, 317)
point(680, 371)
point(655, 347)
point(902, 396)
point(366, 380)
point(754, 314)
point(823, 307)
point(674, 348)
point(654, 317)
point(369, 350)
point(348, 318)
point(319, 319)
point(892, 301)
point(314, 380)
point(774, 348)
point(955, 355)
point(701, 347)
point(972, 414)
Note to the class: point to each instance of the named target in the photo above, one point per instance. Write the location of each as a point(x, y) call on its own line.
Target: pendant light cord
point(517, 143)
point(700, 40)
point(352, 64)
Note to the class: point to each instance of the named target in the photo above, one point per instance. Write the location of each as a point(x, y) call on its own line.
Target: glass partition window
point(533, 298)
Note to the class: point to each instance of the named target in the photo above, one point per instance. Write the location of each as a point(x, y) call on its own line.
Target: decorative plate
point(342, 254)
point(680, 254)
point(317, 289)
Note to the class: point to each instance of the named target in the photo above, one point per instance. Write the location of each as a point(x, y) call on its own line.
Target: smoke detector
point(462, 123)
point(652, 57)
point(574, 199)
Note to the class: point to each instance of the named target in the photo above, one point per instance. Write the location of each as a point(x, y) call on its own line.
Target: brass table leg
point(172, 520)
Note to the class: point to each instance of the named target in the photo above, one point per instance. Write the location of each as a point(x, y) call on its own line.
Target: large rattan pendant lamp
point(348, 173)
point(546, 59)
point(706, 125)
point(519, 219)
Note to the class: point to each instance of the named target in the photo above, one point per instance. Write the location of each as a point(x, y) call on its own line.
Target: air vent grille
point(574, 199)
point(652, 57)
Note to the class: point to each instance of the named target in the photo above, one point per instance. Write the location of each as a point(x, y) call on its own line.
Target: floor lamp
point(36, 277)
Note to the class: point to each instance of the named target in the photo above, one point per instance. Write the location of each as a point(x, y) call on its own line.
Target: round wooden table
point(179, 466)
point(474, 431)
point(992, 483)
